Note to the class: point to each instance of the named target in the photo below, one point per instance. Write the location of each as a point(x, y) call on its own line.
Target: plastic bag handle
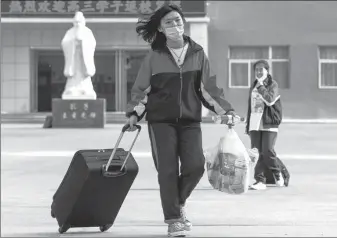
point(227, 119)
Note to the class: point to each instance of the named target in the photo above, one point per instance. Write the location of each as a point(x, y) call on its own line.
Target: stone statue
point(78, 47)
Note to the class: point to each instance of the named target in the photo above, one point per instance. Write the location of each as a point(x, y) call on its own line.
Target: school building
point(298, 38)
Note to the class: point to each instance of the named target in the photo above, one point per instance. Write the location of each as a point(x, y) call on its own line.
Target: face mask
point(174, 32)
point(264, 74)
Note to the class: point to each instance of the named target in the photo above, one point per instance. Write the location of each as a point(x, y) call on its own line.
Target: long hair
point(148, 28)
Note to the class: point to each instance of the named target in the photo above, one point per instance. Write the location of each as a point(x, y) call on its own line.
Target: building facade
point(32, 61)
point(298, 38)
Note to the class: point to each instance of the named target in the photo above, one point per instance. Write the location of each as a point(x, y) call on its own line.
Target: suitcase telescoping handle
point(125, 128)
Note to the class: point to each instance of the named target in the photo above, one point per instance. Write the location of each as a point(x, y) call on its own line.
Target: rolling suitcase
point(270, 178)
point(94, 187)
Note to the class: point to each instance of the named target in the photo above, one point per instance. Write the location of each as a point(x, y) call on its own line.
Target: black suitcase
point(92, 193)
point(270, 178)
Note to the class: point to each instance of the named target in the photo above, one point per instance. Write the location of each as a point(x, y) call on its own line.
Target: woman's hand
point(132, 121)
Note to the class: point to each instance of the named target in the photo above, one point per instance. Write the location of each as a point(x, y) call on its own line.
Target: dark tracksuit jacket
point(172, 98)
point(270, 94)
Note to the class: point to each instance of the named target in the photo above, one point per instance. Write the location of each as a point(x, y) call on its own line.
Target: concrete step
point(39, 118)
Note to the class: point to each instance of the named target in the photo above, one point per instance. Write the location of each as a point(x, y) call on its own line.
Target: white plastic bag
point(229, 164)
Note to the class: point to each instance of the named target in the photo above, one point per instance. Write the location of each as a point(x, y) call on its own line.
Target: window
point(327, 67)
point(242, 59)
point(116, 72)
point(51, 80)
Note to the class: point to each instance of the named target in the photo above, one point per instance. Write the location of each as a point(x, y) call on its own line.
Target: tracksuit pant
point(171, 143)
point(264, 141)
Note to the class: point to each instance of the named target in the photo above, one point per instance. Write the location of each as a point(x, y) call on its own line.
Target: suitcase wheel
point(105, 227)
point(64, 228)
point(52, 214)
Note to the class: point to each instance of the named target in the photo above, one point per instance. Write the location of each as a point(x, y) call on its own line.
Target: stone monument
point(78, 47)
point(79, 106)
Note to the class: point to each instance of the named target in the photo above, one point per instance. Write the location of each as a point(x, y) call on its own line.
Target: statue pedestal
point(78, 113)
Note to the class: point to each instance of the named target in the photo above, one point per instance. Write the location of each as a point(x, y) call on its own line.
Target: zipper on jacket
point(181, 82)
point(181, 77)
point(181, 91)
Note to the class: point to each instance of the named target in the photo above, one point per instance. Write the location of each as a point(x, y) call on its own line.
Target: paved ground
point(34, 161)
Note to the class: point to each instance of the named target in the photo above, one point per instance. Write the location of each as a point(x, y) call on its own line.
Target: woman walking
point(172, 84)
point(262, 126)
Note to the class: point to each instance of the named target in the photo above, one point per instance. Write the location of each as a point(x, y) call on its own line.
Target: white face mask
point(174, 32)
point(264, 75)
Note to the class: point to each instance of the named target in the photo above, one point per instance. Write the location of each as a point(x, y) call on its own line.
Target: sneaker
point(258, 186)
point(176, 229)
point(280, 181)
point(186, 222)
